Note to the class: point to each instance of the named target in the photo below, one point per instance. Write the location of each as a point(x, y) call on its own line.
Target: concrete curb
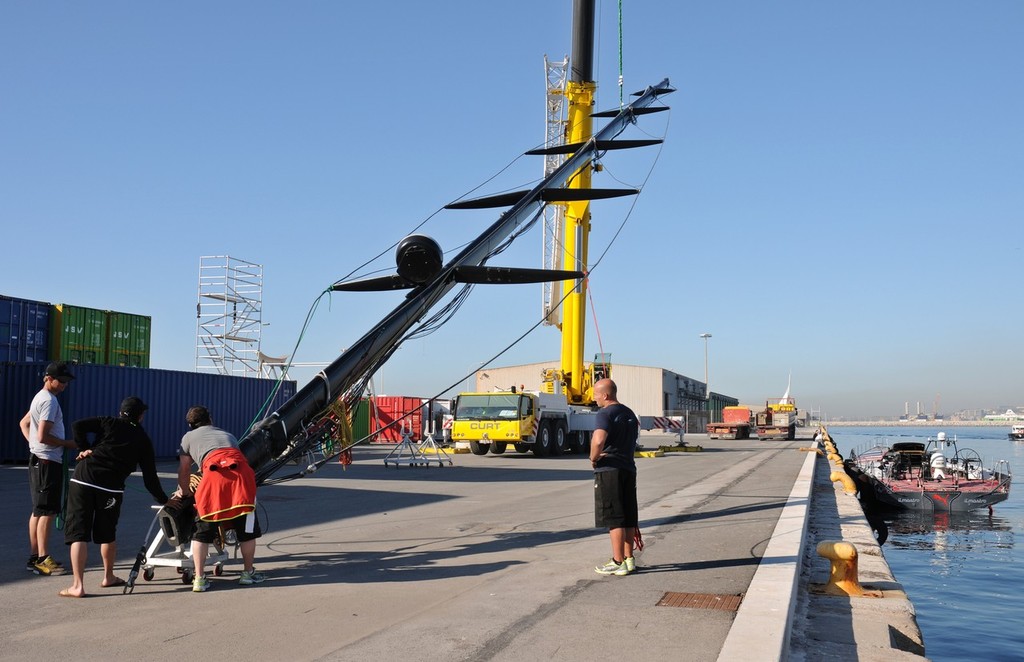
point(764, 618)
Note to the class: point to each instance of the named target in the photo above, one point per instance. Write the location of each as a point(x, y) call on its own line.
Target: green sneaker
point(630, 563)
point(200, 584)
point(250, 578)
point(612, 568)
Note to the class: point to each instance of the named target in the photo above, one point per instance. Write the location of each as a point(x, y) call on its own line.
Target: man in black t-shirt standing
point(96, 490)
point(611, 454)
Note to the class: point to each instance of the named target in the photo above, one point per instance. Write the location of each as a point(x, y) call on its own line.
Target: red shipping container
point(390, 414)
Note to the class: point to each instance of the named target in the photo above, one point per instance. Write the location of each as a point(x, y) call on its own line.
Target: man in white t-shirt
point(43, 428)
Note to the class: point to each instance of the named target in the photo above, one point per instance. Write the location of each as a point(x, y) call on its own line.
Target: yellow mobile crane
point(560, 415)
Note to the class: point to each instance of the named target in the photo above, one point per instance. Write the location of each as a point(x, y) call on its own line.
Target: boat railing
point(1002, 472)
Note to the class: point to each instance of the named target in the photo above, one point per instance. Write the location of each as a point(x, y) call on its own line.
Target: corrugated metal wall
point(502, 378)
point(385, 410)
point(24, 329)
point(646, 390)
point(97, 390)
point(641, 388)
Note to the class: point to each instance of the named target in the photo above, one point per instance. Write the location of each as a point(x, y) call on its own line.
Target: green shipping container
point(361, 420)
point(128, 339)
point(78, 334)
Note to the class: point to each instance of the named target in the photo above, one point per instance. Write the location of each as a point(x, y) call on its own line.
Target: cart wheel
point(148, 574)
point(186, 576)
point(218, 570)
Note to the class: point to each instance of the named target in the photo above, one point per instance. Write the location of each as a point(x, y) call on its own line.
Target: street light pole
point(707, 386)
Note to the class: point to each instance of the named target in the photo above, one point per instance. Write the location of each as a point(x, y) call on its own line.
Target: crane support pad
point(490, 201)
point(636, 111)
point(602, 146)
point(547, 195)
point(511, 275)
point(577, 194)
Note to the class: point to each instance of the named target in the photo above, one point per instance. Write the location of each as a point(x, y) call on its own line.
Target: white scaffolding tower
point(229, 319)
point(554, 214)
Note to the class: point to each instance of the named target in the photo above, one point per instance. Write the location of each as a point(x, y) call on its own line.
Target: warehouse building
point(648, 391)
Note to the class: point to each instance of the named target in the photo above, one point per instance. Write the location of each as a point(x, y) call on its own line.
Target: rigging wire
point(621, 103)
point(264, 408)
point(356, 391)
point(593, 313)
point(432, 324)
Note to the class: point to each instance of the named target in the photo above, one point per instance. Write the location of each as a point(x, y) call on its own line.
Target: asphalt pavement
point(490, 558)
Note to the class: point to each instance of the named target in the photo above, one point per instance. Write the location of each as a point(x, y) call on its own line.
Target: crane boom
point(580, 93)
point(282, 433)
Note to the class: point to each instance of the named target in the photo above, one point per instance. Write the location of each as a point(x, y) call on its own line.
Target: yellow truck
point(542, 422)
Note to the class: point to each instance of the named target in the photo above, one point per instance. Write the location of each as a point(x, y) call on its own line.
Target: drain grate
point(701, 601)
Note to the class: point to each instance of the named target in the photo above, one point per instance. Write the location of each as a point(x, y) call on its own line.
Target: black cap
point(132, 407)
point(59, 370)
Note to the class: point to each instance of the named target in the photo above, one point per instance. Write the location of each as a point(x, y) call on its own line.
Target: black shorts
point(45, 480)
point(207, 531)
point(92, 514)
point(615, 499)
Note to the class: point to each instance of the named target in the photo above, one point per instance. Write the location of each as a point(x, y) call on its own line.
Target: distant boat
point(1017, 432)
point(932, 477)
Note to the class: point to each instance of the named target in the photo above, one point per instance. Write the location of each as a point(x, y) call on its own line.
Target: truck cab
point(493, 420)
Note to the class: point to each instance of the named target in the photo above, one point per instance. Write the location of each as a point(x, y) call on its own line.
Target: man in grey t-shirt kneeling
point(225, 497)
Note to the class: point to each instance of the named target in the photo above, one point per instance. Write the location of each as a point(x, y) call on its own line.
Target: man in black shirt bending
point(96, 490)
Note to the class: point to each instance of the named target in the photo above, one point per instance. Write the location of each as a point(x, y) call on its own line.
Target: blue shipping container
point(97, 390)
point(24, 329)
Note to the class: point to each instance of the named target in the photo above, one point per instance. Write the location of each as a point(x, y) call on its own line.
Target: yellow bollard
point(834, 457)
point(842, 477)
point(843, 575)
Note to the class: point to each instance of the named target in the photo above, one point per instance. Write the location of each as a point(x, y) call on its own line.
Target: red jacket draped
point(228, 488)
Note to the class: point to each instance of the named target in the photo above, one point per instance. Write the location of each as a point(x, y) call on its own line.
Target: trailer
point(778, 420)
point(735, 424)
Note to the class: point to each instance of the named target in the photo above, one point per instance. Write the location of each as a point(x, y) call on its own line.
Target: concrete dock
point(491, 559)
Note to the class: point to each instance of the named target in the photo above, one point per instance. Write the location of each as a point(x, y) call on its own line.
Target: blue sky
point(839, 196)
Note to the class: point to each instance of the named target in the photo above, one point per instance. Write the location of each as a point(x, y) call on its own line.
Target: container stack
point(39, 331)
point(111, 355)
point(236, 403)
point(24, 329)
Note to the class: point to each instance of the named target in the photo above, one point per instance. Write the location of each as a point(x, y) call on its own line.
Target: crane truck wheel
point(559, 438)
point(478, 448)
point(522, 448)
point(542, 445)
point(498, 447)
point(581, 442)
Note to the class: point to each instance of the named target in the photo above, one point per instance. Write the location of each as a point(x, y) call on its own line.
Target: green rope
point(621, 103)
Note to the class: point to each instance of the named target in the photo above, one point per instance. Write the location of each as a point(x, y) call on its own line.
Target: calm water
point(964, 574)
